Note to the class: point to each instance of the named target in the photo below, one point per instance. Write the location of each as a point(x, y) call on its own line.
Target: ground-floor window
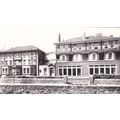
point(102, 69)
point(28, 70)
point(60, 72)
point(69, 70)
point(4, 71)
point(24, 70)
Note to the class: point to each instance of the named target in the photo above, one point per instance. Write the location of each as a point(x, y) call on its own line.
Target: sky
point(38, 22)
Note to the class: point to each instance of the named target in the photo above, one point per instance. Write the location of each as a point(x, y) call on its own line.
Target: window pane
point(112, 70)
point(69, 72)
point(101, 56)
point(78, 71)
point(107, 70)
point(24, 70)
point(91, 71)
point(65, 71)
point(60, 72)
point(110, 55)
point(27, 70)
point(74, 72)
point(101, 70)
point(96, 71)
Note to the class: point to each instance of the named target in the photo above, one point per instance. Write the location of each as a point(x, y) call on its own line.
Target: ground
point(73, 89)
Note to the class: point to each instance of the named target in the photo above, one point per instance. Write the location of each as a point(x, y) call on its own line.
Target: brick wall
point(85, 65)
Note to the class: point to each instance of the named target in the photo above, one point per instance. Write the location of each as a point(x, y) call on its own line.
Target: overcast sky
point(38, 22)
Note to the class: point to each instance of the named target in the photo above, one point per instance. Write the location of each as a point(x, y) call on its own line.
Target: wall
point(85, 65)
point(37, 89)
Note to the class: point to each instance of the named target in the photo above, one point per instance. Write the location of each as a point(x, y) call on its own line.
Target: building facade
point(23, 60)
point(85, 56)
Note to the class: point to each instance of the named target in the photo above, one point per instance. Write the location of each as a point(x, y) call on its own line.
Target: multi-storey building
point(85, 56)
point(21, 61)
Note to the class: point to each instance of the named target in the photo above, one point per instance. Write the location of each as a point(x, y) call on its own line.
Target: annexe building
point(49, 68)
point(88, 55)
point(23, 60)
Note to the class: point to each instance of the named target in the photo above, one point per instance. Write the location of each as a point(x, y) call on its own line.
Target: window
point(32, 70)
point(29, 61)
point(6, 62)
point(6, 70)
point(96, 70)
point(107, 70)
point(24, 70)
point(109, 55)
point(28, 70)
point(101, 56)
point(24, 62)
point(45, 70)
point(94, 56)
point(112, 70)
point(79, 46)
point(63, 58)
point(34, 61)
point(91, 71)
point(24, 55)
point(69, 71)
point(10, 62)
point(65, 71)
point(3, 71)
point(85, 56)
point(78, 71)
point(29, 54)
point(74, 71)
point(101, 70)
point(60, 72)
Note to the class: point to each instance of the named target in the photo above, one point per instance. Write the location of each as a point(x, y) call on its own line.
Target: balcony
point(86, 51)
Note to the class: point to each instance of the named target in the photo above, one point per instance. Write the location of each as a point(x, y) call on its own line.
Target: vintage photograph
point(81, 60)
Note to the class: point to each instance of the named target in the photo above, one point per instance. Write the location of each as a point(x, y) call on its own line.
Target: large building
point(88, 55)
point(23, 60)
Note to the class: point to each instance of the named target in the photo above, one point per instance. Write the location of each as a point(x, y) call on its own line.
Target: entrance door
point(51, 72)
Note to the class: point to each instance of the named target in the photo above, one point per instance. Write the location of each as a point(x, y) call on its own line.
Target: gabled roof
point(22, 49)
point(87, 39)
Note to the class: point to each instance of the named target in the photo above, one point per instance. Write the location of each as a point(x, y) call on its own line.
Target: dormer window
point(109, 55)
point(63, 58)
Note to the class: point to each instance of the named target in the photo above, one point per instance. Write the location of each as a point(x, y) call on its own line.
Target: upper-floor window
point(24, 55)
point(10, 62)
point(101, 56)
point(63, 58)
point(85, 56)
point(28, 70)
point(6, 62)
point(24, 62)
point(109, 55)
point(94, 56)
point(29, 61)
point(29, 54)
point(24, 70)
